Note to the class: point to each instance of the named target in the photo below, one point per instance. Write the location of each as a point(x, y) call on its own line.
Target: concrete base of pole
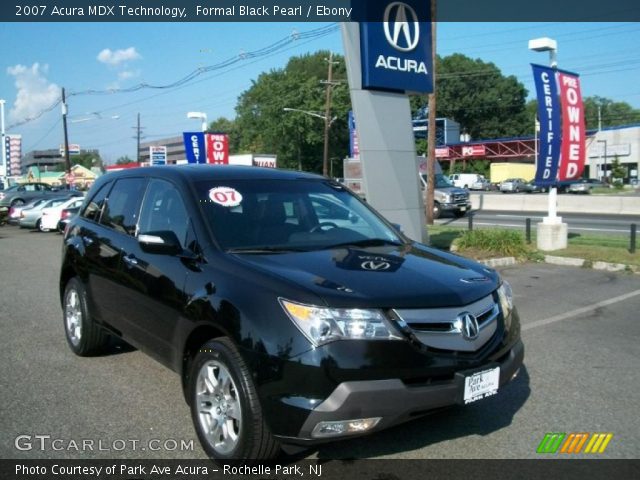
point(552, 236)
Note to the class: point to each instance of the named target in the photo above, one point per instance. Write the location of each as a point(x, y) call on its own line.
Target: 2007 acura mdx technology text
point(294, 313)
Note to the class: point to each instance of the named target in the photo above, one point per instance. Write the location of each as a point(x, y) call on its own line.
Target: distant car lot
point(579, 326)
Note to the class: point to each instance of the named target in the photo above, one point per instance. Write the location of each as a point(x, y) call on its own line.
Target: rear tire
point(225, 409)
point(84, 336)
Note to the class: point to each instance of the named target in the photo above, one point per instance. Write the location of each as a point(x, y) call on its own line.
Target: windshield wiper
point(265, 249)
point(367, 242)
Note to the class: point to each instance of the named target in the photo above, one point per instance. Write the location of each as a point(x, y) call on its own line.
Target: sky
point(37, 59)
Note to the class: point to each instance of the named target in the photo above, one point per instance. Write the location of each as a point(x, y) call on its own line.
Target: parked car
point(585, 185)
point(286, 328)
point(23, 193)
point(14, 212)
point(65, 217)
point(481, 184)
point(532, 187)
point(513, 185)
point(32, 217)
point(51, 215)
point(464, 180)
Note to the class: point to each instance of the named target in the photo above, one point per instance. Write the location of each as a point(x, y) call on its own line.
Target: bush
point(499, 242)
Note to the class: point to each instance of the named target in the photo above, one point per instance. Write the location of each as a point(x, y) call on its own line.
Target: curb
point(566, 262)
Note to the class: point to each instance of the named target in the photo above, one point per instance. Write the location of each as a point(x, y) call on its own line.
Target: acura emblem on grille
point(468, 325)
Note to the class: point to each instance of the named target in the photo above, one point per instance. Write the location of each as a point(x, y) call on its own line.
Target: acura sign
point(396, 51)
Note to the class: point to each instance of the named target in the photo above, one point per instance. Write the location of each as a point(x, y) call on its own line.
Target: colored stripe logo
point(574, 443)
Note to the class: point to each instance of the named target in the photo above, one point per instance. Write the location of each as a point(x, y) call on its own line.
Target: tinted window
point(94, 207)
point(164, 209)
point(123, 203)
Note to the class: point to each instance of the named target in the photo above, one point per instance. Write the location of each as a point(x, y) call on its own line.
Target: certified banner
point(573, 134)
point(217, 148)
point(194, 147)
point(549, 117)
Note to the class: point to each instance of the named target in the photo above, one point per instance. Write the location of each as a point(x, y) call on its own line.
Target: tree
point(123, 160)
point(86, 159)
point(475, 94)
point(612, 113)
point(618, 172)
point(297, 138)
point(224, 125)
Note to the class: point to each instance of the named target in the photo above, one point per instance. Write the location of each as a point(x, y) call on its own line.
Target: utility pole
point(138, 137)
point(4, 168)
point(327, 116)
point(67, 161)
point(431, 136)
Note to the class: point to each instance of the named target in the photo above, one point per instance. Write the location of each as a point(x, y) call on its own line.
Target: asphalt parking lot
point(580, 329)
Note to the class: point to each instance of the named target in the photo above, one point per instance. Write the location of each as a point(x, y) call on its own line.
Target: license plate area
point(477, 385)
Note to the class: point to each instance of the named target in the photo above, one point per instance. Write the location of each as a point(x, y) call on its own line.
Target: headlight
point(323, 325)
point(447, 199)
point(505, 294)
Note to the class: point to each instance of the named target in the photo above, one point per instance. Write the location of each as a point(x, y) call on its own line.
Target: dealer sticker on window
point(481, 385)
point(225, 196)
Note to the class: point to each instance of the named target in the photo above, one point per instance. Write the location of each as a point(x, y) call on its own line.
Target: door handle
point(130, 260)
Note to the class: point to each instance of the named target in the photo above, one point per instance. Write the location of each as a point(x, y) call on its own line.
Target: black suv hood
point(407, 276)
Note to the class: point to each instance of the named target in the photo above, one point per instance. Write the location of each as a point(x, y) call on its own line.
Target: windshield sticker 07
point(225, 196)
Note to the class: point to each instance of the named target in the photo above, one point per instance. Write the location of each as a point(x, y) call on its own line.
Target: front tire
point(436, 210)
point(225, 409)
point(84, 337)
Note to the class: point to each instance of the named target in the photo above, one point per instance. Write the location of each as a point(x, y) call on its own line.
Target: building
point(48, 160)
point(175, 150)
point(621, 143)
point(82, 177)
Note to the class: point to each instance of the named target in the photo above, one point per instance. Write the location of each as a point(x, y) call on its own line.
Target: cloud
point(116, 57)
point(35, 92)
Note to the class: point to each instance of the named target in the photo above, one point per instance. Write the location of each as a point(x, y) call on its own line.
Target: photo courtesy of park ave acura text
point(322, 239)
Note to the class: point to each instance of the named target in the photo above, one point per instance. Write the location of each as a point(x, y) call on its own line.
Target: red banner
point(573, 151)
point(217, 148)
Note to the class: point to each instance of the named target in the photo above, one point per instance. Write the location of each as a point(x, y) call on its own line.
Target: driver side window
point(163, 209)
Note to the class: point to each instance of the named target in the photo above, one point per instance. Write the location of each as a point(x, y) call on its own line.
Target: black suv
point(293, 312)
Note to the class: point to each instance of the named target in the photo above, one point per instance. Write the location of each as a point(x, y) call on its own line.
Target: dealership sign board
point(217, 148)
point(396, 50)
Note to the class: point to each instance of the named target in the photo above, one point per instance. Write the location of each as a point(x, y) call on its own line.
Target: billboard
point(573, 151)
point(217, 148)
point(396, 49)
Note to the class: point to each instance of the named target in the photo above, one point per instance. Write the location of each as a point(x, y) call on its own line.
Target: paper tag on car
point(225, 196)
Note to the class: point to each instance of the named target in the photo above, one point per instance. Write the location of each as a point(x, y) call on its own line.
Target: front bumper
point(393, 400)
point(450, 207)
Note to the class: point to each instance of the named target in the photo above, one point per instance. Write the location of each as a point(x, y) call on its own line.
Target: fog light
point(344, 427)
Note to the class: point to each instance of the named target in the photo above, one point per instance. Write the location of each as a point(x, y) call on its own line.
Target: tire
point(84, 337)
point(39, 225)
point(436, 210)
point(219, 383)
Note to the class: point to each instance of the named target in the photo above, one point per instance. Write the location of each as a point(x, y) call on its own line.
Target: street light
point(199, 116)
point(546, 44)
point(328, 122)
point(604, 175)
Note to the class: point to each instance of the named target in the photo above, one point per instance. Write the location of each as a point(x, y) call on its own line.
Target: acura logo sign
point(468, 325)
point(401, 26)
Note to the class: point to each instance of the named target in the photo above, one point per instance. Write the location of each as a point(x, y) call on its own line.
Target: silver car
point(513, 185)
point(585, 185)
point(31, 218)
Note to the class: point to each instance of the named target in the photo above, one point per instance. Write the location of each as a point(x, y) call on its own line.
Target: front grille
point(438, 327)
point(460, 197)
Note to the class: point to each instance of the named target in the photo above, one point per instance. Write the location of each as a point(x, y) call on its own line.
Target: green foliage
point(124, 160)
point(612, 113)
point(618, 172)
point(496, 242)
point(475, 94)
point(262, 125)
point(86, 159)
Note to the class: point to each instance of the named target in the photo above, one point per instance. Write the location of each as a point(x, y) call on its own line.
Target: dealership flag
point(217, 148)
point(194, 147)
point(549, 116)
point(573, 134)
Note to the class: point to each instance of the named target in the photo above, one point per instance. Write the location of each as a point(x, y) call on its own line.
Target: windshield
point(283, 215)
point(441, 181)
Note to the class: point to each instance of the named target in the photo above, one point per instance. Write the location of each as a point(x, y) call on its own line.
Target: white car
point(51, 215)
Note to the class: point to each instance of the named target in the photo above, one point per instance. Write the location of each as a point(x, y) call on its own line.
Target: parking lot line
point(578, 311)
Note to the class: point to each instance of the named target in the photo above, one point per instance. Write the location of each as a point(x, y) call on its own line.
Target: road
point(578, 223)
point(580, 328)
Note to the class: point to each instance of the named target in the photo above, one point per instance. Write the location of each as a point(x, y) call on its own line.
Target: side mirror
point(160, 242)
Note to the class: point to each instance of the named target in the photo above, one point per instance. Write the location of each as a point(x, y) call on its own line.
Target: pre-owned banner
point(573, 135)
point(194, 147)
point(217, 148)
point(549, 117)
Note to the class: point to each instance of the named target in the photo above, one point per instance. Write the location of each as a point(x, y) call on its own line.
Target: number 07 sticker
point(225, 196)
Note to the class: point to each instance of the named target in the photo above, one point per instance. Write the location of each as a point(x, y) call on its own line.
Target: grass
point(612, 191)
point(486, 243)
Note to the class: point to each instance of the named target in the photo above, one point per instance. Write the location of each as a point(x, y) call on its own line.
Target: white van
point(464, 180)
